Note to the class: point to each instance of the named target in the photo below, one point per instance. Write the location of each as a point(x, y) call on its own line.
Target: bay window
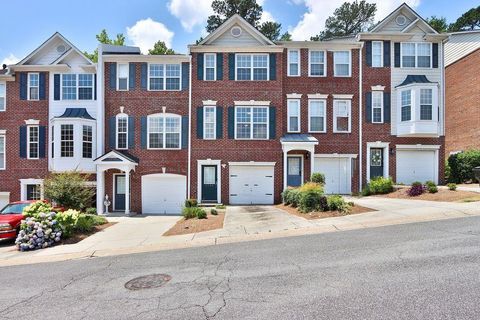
point(252, 67)
point(33, 86)
point(416, 54)
point(122, 131)
point(342, 63)
point(87, 146)
point(342, 120)
point(294, 63)
point(316, 63)
point(406, 105)
point(164, 131)
point(251, 123)
point(164, 77)
point(293, 111)
point(426, 104)
point(32, 142)
point(210, 66)
point(377, 107)
point(66, 141)
point(317, 121)
point(209, 122)
point(3, 98)
point(377, 54)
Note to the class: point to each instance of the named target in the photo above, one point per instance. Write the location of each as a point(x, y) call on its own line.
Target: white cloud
point(11, 59)
point(191, 12)
point(313, 21)
point(266, 16)
point(144, 33)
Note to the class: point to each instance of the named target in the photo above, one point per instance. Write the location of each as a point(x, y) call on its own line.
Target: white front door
point(250, 184)
point(416, 165)
point(338, 174)
point(163, 193)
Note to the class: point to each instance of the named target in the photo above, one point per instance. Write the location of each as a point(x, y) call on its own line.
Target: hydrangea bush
point(39, 231)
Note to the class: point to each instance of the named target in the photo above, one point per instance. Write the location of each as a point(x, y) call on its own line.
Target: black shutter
point(131, 75)
point(368, 49)
point(185, 75)
point(272, 123)
point(56, 87)
point(435, 55)
point(131, 132)
point(184, 132)
point(219, 122)
point(23, 86)
point(219, 66)
point(273, 66)
point(231, 66)
point(231, 122)
point(200, 122)
point(200, 66)
point(397, 54)
point(386, 53)
point(144, 75)
point(368, 107)
point(42, 85)
point(386, 107)
point(41, 141)
point(112, 133)
point(23, 141)
point(113, 76)
point(143, 122)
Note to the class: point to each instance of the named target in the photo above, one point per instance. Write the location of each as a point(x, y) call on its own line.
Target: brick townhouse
point(240, 118)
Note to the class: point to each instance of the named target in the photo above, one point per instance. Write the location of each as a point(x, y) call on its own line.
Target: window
point(3, 97)
point(426, 104)
point(87, 147)
point(209, 123)
point(293, 63)
point(317, 64)
point(69, 87)
point(164, 132)
point(85, 87)
point(2, 153)
point(34, 192)
point(122, 76)
point(377, 106)
point(341, 113)
point(77, 86)
point(377, 54)
point(210, 66)
point(316, 116)
point(122, 132)
point(33, 86)
point(252, 67)
point(66, 141)
point(32, 142)
point(416, 55)
point(251, 123)
point(406, 112)
point(164, 77)
point(341, 63)
point(293, 107)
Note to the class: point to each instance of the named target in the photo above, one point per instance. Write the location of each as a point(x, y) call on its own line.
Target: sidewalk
point(143, 234)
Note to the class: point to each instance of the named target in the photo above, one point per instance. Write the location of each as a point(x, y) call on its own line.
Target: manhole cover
point(147, 282)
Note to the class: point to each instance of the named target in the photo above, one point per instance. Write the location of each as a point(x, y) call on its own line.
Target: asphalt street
point(416, 271)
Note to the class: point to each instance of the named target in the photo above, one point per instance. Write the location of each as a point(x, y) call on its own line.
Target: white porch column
point(100, 190)
point(127, 192)
point(285, 152)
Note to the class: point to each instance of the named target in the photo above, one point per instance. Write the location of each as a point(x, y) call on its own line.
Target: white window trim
point(29, 86)
point(28, 142)
point(349, 64)
point(23, 187)
point(165, 78)
point(118, 76)
point(251, 65)
point(117, 133)
point(164, 116)
point(91, 142)
point(420, 104)
point(381, 54)
point(349, 108)
point(200, 164)
point(324, 64)
point(386, 153)
point(416, 55)
point(60, 136)
point(299, 122)
point(214, 122)
point(214, 66)
point(3, 166)
point(324, 116)
point(415, 103)
point(288, 63)
point(382, 107)
point(4, 107)
point(77, 87)
point(251, 123)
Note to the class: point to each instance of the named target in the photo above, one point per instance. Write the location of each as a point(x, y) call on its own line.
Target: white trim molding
point(378, 88)
point(209, 162)
point(336, 155)
point(2, 132)
point(23, 187)
point(209, 103)
point(252, 163)
point(32, 122)
point(294, 95)
point(252, 103)
point(386, 157)
point(343, 96)
point(317, 96)
point(417, 147)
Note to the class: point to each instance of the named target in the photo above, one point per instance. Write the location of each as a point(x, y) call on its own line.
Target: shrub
point(431, 187)
point(213, 212)
point(380, 185)
point(39, 231)
point(194, 212)
point(220, 207)
point(416, 189)
point(286, 196)
point(37, 207)
point(91, 211)
point(366, 190)
point(461, 166)
point(310, 200)
point(201, 214)
point(318, 178)
point(452, 186)
point(68, 221)
point(191, 203)
point(86, 222)
point(293, 197)
point(69, 190)
point(323, 205)
point(337, 203)
point(311, 186)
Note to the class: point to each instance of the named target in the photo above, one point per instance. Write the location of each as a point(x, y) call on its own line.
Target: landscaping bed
point(195, 225)
point(355, 209)
point(441, 195)
point(77, 237)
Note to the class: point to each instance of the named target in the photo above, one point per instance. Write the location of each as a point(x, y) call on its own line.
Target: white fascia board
point(252, 163)
point(169, 58)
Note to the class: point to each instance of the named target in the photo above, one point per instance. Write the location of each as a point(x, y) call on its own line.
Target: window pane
point(243, 117)
point(209, 60)
point(260, 74)
point(293, 56)
point(426, 104)
point(293, 69)
point(122, 135)
point(424, 55)
point(173, 84)
point(173, 70)
point(408, 55)
point(377, 54)
point(259, 131)
point(341, 115)
point(156, 70)
point(406, 105)
point(123, 70)
point(69, 87)
point(33, 82)
point(156, 84)
point(377, 99)
point(87, 142)
point(66, 140)
point(293, 115)
point(33, 142)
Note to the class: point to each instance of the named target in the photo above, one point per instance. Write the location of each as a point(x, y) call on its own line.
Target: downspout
point(360, 120)
point(189, 125)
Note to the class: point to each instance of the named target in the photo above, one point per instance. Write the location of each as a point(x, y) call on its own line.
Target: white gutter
point(360, 122)
point(189, 127)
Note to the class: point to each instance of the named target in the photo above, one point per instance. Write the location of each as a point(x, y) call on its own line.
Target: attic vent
point(236, 31)
point(401, 20)
point(61, 48)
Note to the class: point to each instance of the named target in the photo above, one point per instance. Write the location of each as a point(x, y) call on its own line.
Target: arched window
point(164, 131)
point(122, 131)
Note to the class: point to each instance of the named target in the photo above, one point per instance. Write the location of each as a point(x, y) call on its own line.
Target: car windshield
point(14, 208)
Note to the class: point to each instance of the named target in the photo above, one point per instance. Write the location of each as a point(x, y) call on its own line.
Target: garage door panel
point(416, 165)
point(251, 184)
point(337, 173)
point(163, 194)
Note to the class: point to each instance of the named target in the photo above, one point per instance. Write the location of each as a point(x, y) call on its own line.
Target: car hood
point(12, 219)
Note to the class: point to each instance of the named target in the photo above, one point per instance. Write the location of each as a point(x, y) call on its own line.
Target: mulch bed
point(77, 237)
point(441, 195)
point(321, 215)
point(197, 225)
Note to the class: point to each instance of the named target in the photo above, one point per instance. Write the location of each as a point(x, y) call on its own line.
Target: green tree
point(438, 23)
point(160, 48)
point(349, 19)
point(286, 37)
point(470, 20)
point(69, 190)
point(103, 37)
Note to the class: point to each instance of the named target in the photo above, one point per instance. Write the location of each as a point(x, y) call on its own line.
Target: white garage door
point(4, 199)
point(416, 165)
point(338, 174)
point(163, 193)
point(251, 184)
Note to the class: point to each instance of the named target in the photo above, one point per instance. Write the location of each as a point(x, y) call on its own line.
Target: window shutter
point(386, 53)
point(386, 107)
point(144, 74)
point(219, 122)
point(231, 122)
point(131, 76)
point(200, 62)
point(184, 132)
point(273, 66)
point(397, 54)
point(113, 76)
point(200, 122)
point(131, 132)
point(56, 87)
point(42, 85)
point(41, 141)
point(23, 141)
point(23, 86)
point(231, 66)
point(113, 132)
point(273, 123)
point(368, 50)
point(435, 55)
point(219, 66)
point(368, 107)
point(185, 75)
point(143, 128)
point(95, 86)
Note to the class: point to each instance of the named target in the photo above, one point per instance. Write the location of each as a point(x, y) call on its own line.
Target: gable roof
point(396, 11)
point(117, 156)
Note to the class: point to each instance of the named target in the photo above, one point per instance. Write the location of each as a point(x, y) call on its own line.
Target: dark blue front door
point(119, 192)
point(376, 162)
point(294, 171)
point(209, 184)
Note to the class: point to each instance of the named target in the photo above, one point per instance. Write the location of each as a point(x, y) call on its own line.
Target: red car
point(11, 217)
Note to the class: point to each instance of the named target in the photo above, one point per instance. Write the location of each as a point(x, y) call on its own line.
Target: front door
point(209, 184)
point(119, 192)
point(294, 171)
point(376, 162)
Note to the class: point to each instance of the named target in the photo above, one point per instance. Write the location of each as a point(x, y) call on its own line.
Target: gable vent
point(61, 48)
point(236, 31)
point(401, 20)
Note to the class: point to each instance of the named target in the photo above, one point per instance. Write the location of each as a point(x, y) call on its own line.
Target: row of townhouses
point(236, 120)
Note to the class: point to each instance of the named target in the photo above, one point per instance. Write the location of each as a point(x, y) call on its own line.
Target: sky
point(176, 22)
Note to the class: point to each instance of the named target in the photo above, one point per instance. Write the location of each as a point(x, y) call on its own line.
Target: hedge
point(460, 166)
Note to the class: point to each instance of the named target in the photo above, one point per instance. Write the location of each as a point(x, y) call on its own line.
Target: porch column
point(100, 190)
point(285, 152)
point(127, 192)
